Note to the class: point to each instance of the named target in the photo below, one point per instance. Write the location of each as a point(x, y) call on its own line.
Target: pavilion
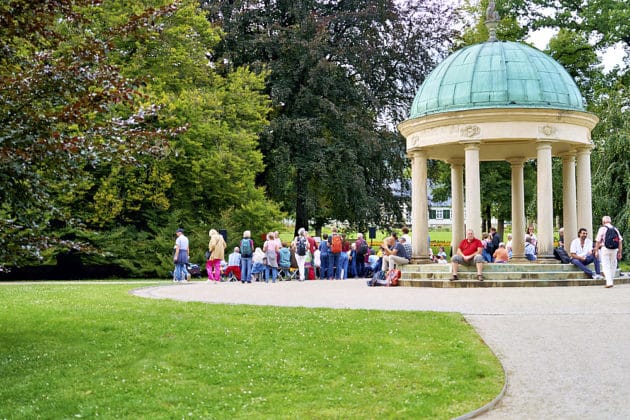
point(500, 101)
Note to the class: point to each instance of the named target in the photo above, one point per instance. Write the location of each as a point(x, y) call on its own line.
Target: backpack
point(301, 246)
point(336, 244)
point(561, 254)
point(246, 248)
point(611, 240)
point(392, 277)
point(363, 248)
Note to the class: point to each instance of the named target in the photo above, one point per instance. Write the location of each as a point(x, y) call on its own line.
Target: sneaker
point(597, 277)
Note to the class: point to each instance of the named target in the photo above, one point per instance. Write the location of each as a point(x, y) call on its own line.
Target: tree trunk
point(301, 214)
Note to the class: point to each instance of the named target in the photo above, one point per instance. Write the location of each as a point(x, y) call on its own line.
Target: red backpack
point(393, 276)
point(336, 244)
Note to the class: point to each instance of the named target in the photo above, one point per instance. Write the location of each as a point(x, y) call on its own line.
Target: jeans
point(343, 263)
point(271, 271)
point(333, 261)
point(323, 272)
point(180, 272)
point(246, 269)
point(583, 265)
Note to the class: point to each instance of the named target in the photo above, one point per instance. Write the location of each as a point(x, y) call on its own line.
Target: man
point(335, 243)
point(468, 253)
point(361, 247)
point(394, 254)
point(406, 242)
point(581, 251)
point(607, 238)
point(496, 239)
point(181, 257)
point(247, 251)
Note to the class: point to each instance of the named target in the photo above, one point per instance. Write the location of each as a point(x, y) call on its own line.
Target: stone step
point(489, 275)
point(491, 267)
point(501, 275)
point(466, 283)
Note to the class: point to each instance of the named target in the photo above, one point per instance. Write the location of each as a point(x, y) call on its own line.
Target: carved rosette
point(470, 131)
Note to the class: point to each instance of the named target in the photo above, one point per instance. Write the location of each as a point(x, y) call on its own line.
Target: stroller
point(284, 264)
point(194, 270)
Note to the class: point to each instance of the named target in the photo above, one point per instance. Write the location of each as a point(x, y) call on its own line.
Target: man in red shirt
point(468, 253)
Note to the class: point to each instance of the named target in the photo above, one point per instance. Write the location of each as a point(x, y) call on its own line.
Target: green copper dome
point(497, 75)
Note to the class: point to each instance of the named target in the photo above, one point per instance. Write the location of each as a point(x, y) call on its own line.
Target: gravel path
point(566, 350)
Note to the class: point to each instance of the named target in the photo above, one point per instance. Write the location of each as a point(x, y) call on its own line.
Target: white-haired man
point(608, 248)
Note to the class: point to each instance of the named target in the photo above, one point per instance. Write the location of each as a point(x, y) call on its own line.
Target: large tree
point(585, 28)
point(342, 74)
point(64, 110)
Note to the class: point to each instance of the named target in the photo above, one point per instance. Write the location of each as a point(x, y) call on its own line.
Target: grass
point(95, 350)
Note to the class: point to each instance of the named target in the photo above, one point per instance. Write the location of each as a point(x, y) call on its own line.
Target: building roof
point(497, 75)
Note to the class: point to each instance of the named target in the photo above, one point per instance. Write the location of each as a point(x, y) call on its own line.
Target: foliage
point(341, 75)
point(94, 350)
point(84, 160)
point(64, 110)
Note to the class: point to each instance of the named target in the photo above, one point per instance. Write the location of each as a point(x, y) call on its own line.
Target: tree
point(64, 110)
point(341, 75)
point(584, 29)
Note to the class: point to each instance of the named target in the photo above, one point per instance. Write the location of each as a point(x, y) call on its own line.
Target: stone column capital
point(470, 145)
point(516, 160)
point(455, 162)
point(567, 156)
point(584, 150)
point(543, 145)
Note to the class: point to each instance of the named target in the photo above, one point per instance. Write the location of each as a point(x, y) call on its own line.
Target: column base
point(421, 260)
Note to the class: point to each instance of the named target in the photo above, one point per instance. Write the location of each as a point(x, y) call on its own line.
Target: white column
point(419, 205)
point(473, 187)
point(544, 200)
point(584, 193)
point(518, 208)
point(569, 213)
point(457, 202)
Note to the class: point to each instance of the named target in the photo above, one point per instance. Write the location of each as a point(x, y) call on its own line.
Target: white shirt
point(579, 250)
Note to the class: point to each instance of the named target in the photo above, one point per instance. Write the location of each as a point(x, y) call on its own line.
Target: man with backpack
point(247, 250)
point(608, 249)
point(301, 246)
point(335, 242)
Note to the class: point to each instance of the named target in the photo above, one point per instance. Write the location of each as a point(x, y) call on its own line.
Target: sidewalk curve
point(566, 350)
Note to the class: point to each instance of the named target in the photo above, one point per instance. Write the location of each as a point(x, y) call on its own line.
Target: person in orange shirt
point(501, 254)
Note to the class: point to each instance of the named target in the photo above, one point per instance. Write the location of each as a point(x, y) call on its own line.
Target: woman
point(532, 236)
point(216, 246)
point(270, 248)
point(258, 263)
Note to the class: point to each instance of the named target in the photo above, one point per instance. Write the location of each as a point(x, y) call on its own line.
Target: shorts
point(460, 260)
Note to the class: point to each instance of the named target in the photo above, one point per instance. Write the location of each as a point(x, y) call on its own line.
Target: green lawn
point(71, 351)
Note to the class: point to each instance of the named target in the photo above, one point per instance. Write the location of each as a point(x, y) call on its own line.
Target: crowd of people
point(334, 257)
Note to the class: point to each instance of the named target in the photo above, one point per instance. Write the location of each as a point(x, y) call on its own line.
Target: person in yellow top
point(216, 246)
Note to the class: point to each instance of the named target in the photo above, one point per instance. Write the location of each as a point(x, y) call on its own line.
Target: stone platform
point(501, 275)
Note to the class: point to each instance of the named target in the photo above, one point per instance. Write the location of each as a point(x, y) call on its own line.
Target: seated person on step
point(501, 254)
point(530, 249)
point(582, 254)
point(468, 253)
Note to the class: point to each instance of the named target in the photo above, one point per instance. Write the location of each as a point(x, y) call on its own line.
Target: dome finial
point(492, 20)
